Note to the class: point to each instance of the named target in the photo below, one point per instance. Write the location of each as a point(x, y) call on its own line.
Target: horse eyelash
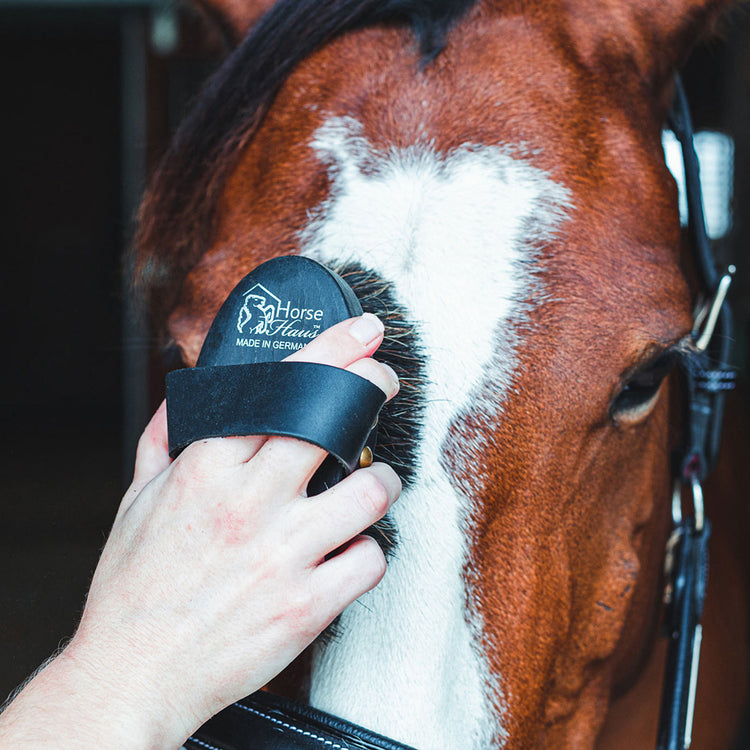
point(675, 354)
point(643, 380)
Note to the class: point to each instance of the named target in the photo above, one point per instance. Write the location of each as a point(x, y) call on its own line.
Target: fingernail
point(394, 378)
point(366, 328)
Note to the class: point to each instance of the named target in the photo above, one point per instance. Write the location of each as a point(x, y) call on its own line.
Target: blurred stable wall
point(91, 91)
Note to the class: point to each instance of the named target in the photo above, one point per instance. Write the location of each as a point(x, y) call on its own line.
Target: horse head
point(491, 175)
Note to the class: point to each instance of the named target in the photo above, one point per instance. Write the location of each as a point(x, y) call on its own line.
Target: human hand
point(214, 577)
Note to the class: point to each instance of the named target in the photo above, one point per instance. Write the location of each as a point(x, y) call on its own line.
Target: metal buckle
point(698, 513)
point(709, 312)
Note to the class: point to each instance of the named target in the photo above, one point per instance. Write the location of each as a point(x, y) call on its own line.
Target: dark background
point(89, 97)
point(90, 94)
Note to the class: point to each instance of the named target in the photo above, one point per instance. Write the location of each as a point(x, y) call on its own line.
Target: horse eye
point(639, 394)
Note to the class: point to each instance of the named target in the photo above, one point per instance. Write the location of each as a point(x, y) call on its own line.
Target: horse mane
point(176, 219)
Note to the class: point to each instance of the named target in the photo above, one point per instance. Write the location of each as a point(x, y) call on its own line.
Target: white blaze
point(454, 233)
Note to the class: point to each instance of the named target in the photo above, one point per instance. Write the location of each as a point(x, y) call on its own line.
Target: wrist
point(80, 700)
point(130, 694)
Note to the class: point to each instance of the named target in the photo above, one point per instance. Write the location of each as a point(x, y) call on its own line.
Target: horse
point(489, 176)
point(266, 311)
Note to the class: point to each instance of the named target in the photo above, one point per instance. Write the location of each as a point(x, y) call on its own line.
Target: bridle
point(272, 723)
point(707, 376)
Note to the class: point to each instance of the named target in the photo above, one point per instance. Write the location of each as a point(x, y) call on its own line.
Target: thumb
point(152, 456)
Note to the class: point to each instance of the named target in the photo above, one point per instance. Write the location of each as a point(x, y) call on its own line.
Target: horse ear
point(652, 36)
point(235, 17)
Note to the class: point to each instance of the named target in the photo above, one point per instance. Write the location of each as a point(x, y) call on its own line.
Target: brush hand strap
point(327, 406)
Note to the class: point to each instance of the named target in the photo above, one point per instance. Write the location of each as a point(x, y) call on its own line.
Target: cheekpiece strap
point(706, 382)
point(715, 381)
point(708, 375)
point(686, 574)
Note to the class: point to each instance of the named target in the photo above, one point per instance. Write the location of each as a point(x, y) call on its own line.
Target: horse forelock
point(177, 217)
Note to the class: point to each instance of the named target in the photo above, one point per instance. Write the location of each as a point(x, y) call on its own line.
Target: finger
point(216, 454)
point(151, 458)
point(344, 343)
point(341, 513)
point(342, 579)
point(339, 346)
point(152, 455)
point(378, 373)
point(301, 459)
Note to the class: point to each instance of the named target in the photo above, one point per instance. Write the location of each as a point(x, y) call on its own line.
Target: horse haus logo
point(265, 321)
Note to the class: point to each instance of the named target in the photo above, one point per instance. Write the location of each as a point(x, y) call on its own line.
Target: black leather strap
point(323, 405)
point(707, 376)
point(705, 397)
point(687, 577)
point(267, 722)
point(705, 381)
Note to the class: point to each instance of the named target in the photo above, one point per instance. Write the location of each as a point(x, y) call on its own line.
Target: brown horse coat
point(512, 194)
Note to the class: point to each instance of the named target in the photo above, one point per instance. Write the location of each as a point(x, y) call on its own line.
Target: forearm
point(67, 704)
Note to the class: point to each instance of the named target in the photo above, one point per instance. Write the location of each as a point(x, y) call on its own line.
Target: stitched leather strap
point(267, 722)
point(323, 405)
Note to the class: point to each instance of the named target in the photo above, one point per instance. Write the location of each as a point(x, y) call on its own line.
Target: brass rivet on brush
point(365, 458)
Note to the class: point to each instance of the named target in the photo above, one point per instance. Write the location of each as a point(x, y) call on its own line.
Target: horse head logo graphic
point(259, 306)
